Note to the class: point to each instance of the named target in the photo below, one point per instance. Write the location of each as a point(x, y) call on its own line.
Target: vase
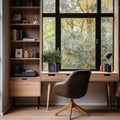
point(107, 68)
point(52, 67)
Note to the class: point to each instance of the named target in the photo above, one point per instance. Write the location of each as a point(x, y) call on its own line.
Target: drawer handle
point(107, 74)
point(67, 74)
point(24, 78)
point(51, 74)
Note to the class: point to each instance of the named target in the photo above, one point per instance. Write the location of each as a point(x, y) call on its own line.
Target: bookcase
point(25, 48)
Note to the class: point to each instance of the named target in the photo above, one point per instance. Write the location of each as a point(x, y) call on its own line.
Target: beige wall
point(4, 58)
point(0, 56)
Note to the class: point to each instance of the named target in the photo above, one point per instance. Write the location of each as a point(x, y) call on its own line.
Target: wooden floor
point(32, 113)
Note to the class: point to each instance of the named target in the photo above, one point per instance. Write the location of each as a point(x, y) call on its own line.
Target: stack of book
point(17, 34)
point(28, 39)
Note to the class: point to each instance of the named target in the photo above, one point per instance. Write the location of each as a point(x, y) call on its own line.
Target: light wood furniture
point(70, 106)
point(118, 93)
point(96, 77)
point(25, 35)
point(25, 86)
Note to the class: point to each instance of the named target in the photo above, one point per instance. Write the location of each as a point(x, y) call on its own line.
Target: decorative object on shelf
point(31, 3)
point(30, 73)
point(36, 19)
point(19, 53)
point(16, 2)
point(107, 66)
point(101, 68)
point(17, 70)
point(33, 53)
point(26, 54)
point(17, 18)
point(25, 21)
point(52, 57)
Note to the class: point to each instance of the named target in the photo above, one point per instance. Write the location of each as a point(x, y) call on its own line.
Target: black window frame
point(98, 15)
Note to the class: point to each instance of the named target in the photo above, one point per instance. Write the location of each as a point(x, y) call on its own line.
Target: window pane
point(107, 6)
point(48, 36)
point(78, 43)
point(106, 39)
point(48, 6)
point(78, 6)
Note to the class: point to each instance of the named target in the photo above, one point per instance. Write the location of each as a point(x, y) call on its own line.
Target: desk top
point(68, 72)
point(96, 76)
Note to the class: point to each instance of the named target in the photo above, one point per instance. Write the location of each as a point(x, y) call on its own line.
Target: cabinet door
point(20, 87)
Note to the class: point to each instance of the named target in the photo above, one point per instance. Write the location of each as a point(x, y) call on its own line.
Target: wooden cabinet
point(25, 47)
point(25, 86)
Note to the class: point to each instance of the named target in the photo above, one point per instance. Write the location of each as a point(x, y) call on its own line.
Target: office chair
point(75, 86)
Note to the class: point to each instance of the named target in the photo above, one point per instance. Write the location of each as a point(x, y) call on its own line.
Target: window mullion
point(98, 35)
point(58, 35)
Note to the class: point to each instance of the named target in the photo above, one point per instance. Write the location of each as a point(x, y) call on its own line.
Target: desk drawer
point(104, 77)
point(52, 77)
point(65, 76)
point(20, 87)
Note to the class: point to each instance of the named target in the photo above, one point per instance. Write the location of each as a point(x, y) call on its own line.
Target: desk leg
point(38, 102)
point(48, 95)
point(109, 95)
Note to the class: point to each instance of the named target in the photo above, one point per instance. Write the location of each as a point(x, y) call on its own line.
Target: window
point(81, 29)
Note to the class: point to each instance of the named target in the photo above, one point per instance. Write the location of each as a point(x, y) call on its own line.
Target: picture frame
point(19, 53)
point(17, 18)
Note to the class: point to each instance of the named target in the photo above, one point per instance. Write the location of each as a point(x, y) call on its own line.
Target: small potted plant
point(52, 57)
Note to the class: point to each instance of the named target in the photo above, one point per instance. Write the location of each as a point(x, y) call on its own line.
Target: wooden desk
point(97, 77)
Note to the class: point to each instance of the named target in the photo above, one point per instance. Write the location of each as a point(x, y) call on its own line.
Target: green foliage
point(52, 56)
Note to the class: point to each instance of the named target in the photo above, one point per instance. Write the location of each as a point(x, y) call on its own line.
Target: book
point(15, 34)
point(20, 34)
point(29, 39)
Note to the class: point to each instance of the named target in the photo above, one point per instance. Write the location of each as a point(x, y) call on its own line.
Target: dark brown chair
point(75, 86)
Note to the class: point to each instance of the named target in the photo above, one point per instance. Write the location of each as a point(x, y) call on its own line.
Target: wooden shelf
point(26, 24)
point(24, 7)
point(25, 41)
point(25, 59)
point(21, 26)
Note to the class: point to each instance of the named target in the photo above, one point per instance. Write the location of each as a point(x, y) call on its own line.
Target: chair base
point(72, 105)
